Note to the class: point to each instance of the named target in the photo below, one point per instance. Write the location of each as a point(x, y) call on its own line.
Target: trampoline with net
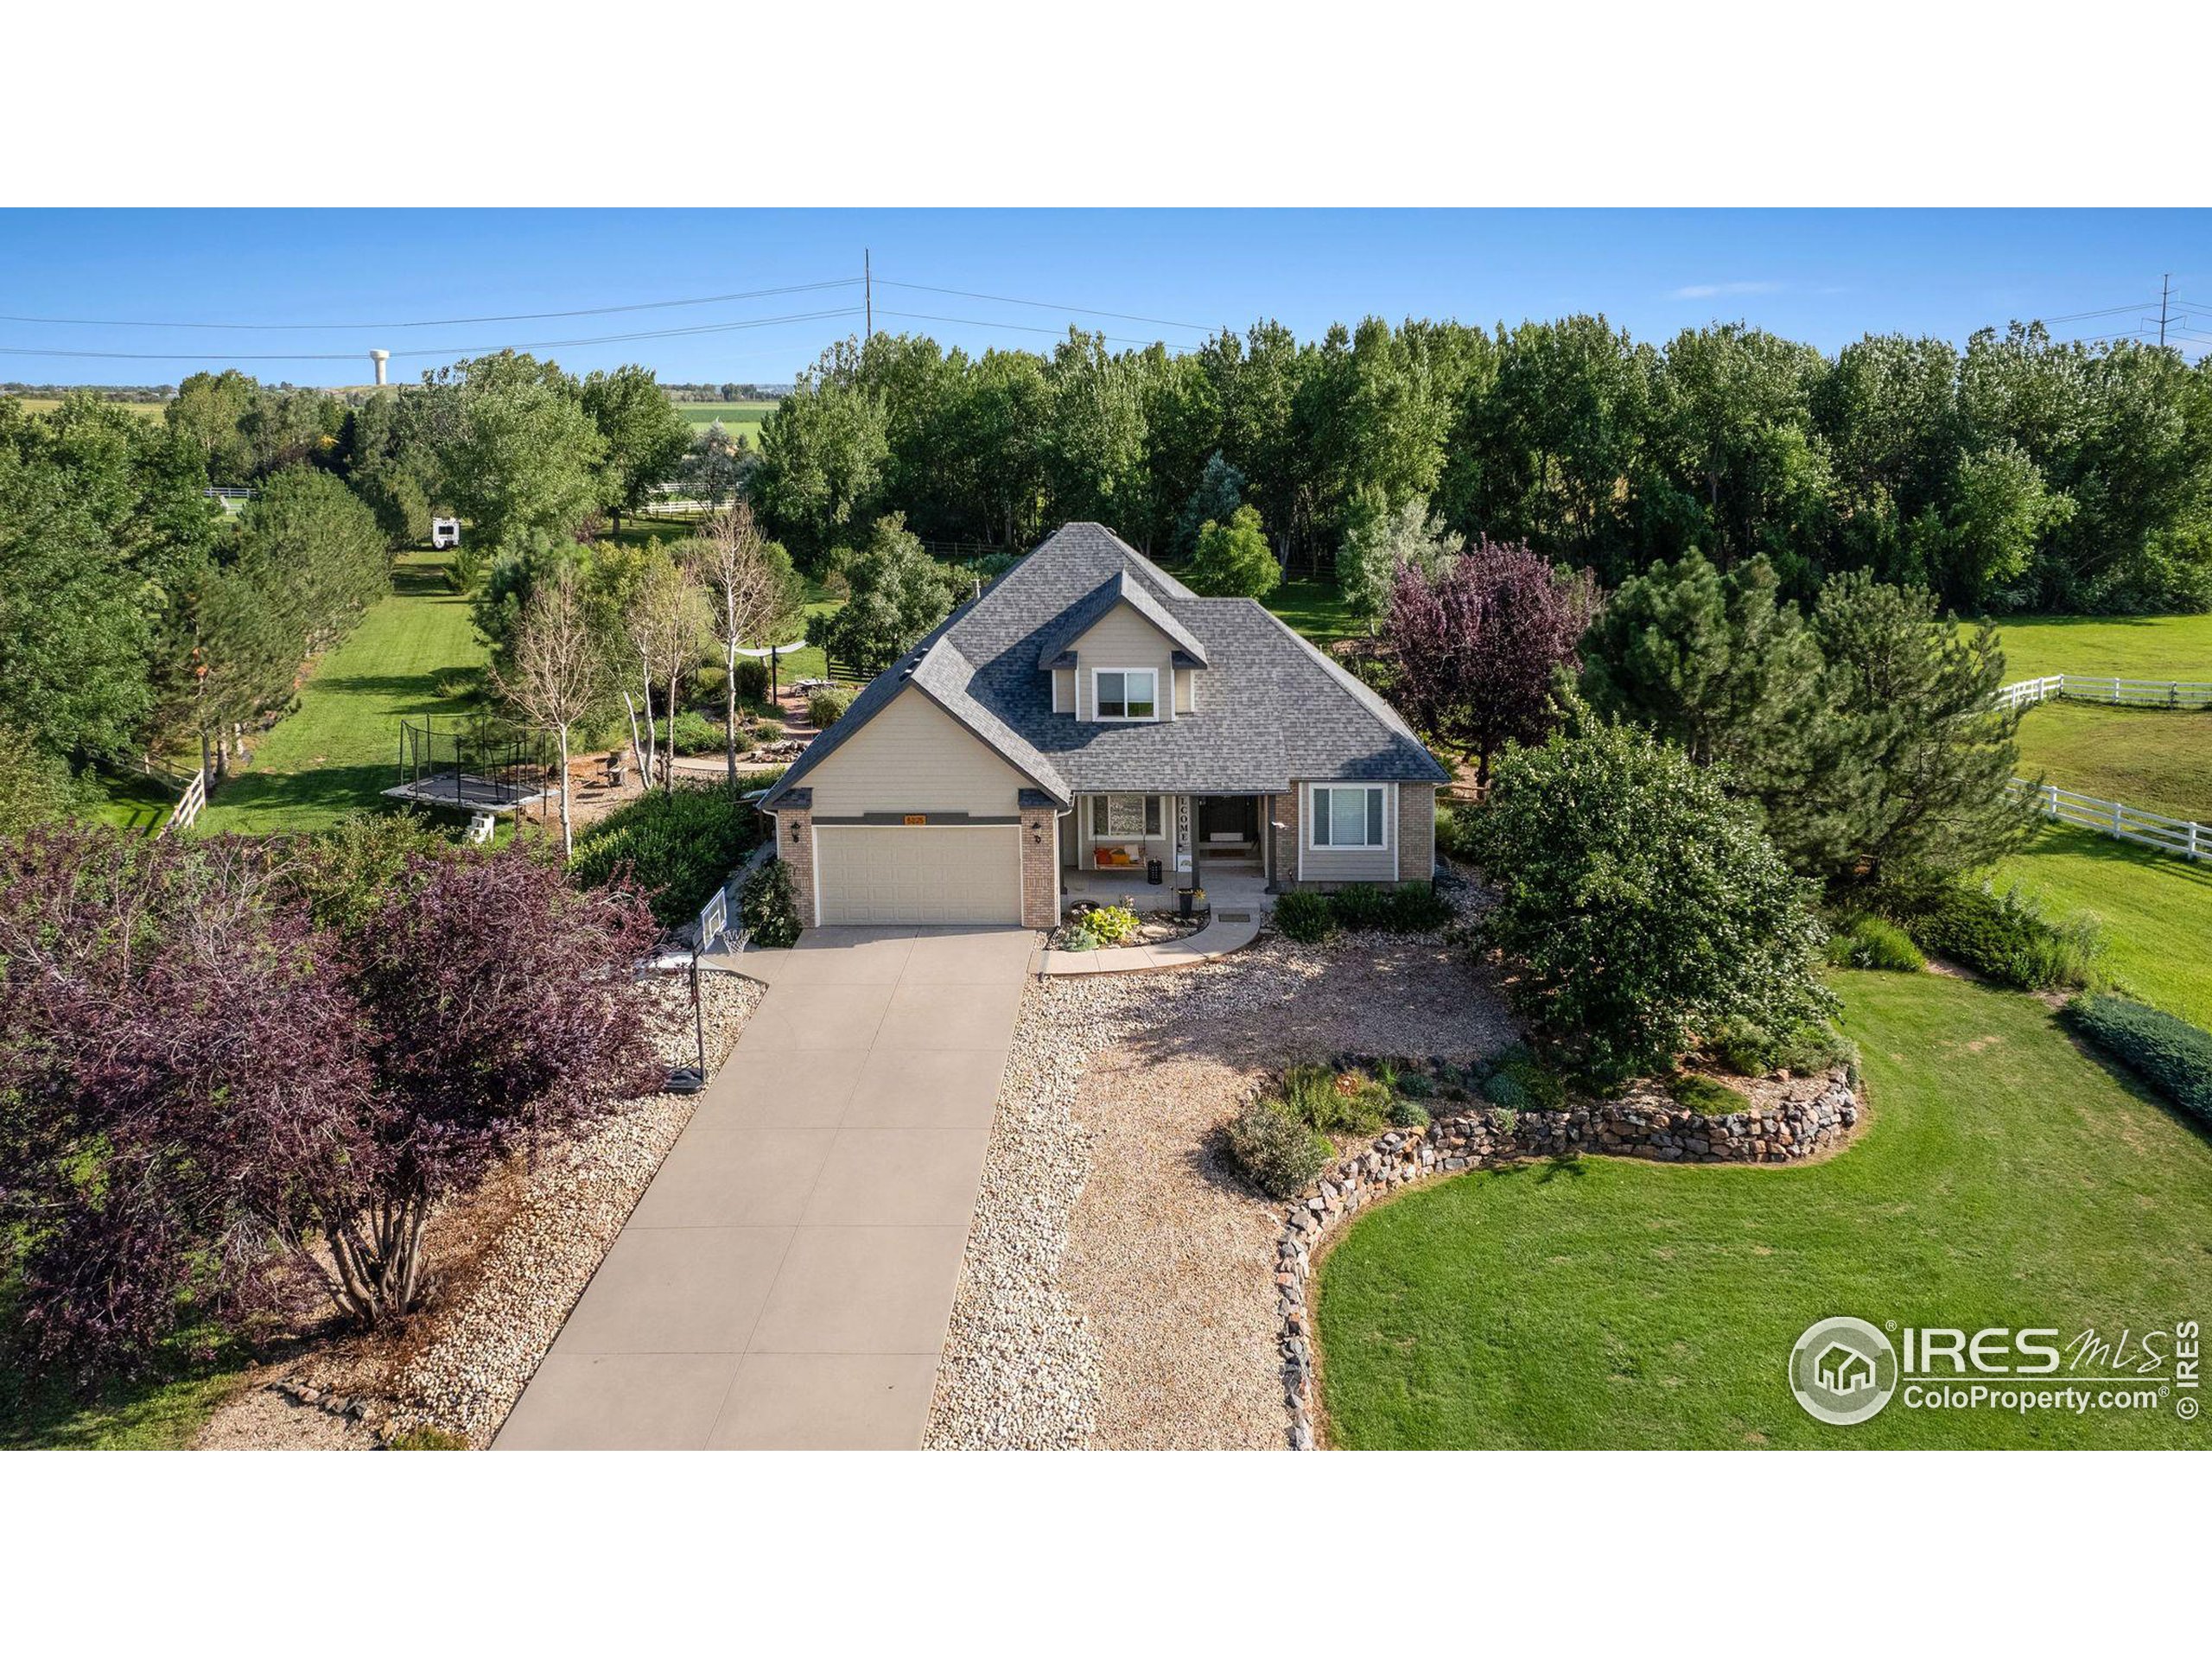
point(474, 762)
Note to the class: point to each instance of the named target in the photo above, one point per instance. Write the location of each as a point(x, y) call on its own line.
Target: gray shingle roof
point(1272, 708)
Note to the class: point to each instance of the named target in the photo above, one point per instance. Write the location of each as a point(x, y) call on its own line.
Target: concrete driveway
point(787, 1278)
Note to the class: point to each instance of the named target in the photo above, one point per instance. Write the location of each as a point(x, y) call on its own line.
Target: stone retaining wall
point(1806, 1116)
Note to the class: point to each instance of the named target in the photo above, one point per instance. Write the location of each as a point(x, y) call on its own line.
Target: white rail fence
point(2108, 688)
point(188, 808)
point(2183, 837)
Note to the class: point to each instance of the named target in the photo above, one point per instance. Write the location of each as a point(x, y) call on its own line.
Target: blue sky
point(1822, 275)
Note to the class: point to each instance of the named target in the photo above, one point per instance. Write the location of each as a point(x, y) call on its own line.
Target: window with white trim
point(1115, 816)
point(1125, 694)
point(1347, 817)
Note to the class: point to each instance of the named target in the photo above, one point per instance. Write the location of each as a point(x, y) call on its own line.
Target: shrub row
point(2171, 1054)
point(1310, 916)
point(2003, 936)
point(679, 845)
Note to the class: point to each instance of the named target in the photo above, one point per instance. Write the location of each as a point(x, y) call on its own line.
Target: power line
point(437, 351)
point(1045, 305)
point(1027, 328)
point(2084, 317)
point(437, 322)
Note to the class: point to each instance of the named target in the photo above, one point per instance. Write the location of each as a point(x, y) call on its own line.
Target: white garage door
point(917, 873)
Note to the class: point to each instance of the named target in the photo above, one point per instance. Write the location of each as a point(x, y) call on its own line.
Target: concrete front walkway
point(787, 1278)
point(1223, 934)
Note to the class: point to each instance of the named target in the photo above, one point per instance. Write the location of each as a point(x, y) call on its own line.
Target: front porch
point(1229, 887)
point(1110, 842)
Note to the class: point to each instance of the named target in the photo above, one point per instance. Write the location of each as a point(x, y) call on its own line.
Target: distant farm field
point(736, 418)
point(42, 405)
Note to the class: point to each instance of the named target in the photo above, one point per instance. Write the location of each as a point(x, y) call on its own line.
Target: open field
point(736, 418)
point(339, 749)
point(2004, 1178)
point(2134, 647)
point(40, 405)
point(2158, 759)
point(2156, 909)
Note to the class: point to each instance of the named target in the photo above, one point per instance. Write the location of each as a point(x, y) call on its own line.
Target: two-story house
point(1088, 712)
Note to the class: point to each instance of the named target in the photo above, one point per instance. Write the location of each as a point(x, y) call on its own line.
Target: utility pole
point(868, 292)
point(2166, 287)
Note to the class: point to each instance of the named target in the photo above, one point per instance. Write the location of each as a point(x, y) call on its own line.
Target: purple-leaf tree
point(1477, 645)
point(198, 1091)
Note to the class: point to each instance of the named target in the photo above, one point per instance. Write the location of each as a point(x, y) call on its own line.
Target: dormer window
point(1127, 693)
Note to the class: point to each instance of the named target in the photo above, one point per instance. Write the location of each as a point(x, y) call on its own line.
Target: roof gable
point(1117, 590)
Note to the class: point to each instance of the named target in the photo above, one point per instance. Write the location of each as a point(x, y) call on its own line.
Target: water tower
point(379, 359)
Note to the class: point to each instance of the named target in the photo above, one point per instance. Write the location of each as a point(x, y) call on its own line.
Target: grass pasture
point(2159, 759)
point(339, 750)
point(2156, 910)
point(2134, 647)
point(2004, 1179)
point(1315, 608)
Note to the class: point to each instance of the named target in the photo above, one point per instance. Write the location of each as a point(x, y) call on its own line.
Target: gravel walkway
point(531, 1240)
point(1119, 1285)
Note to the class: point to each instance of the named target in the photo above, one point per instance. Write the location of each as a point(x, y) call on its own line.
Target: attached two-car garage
point(919, 873)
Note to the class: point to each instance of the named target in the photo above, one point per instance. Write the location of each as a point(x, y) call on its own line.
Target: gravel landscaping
point(1119, 1287)
point(516, 1257)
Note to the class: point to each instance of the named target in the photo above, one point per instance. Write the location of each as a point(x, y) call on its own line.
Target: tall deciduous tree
point(519, 456)
point(898, 593)
point(1479, 644)
point(556, 671)
point(755, 596)
point(823, 453)
point(646, 440)
point(667, 620)
point(1382, 542)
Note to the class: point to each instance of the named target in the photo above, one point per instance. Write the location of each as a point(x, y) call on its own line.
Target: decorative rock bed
point(1793, 1120)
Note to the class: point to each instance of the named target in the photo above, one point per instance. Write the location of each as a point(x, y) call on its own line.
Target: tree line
point(135, 616)
point(2020, 473)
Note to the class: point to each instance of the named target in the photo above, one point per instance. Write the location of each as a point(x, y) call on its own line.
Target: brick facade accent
point(1040, 867)
point(794, 846)
point(1416, 831)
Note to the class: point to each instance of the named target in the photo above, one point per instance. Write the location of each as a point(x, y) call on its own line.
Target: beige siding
point(1086, 845)
point(1185, 690)
point(913, 757)
point(1121, 638)
point(1063, 690)
point(1327, 864)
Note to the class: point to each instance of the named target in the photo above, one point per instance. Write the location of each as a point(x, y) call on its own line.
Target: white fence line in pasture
point(2108, 688)
point(2183, 837)
point(189, 805)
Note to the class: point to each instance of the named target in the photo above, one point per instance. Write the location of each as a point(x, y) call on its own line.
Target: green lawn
point(2156, 912)
point(130, 802)
point(340, 749)
point(1315, 608)
point(2134, 647)
point(2158, 759)
point(2003, 1179)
